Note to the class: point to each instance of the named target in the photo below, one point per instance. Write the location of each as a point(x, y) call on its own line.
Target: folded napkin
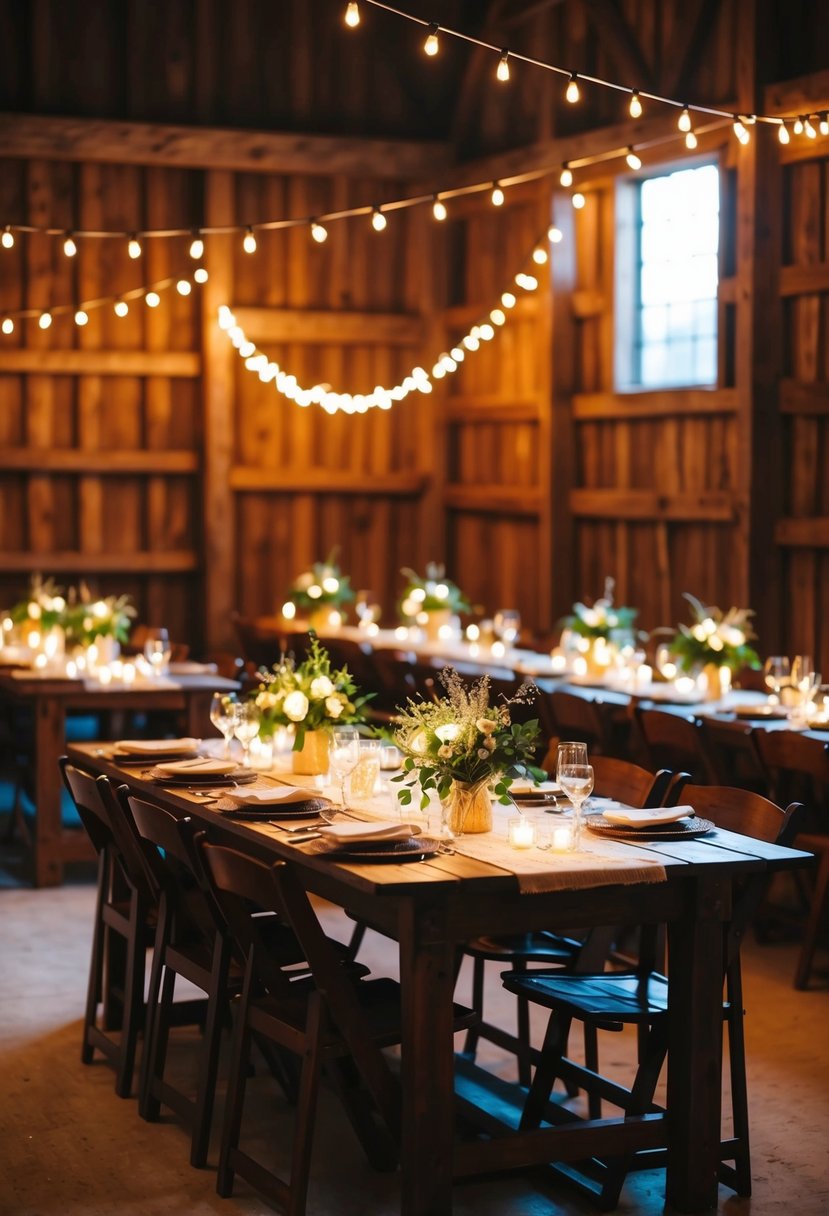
point(528, 789)
point(633, 817)
point(150, 747)
point(349, 833)
point(274, 795)
point(200, 767)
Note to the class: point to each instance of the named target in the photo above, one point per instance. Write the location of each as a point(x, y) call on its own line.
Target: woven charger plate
point(683, 829)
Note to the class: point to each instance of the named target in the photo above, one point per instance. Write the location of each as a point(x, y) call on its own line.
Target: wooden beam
point(494, 499)
point(690, 35)
point(135, 143)
point(661, 403)
point(461, 316)
point(801, 94)
point(492, 408)
point(713, 506)
point(804, 280)
point(799, 398)
point(177, 364)
point(179, 561)
point(327, 326)
point(807, 533)
point(619, 42)
point(323, 481)
point(104, 464)
point(588, 303)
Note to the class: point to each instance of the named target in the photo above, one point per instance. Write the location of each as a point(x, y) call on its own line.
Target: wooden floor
point(69, 1146)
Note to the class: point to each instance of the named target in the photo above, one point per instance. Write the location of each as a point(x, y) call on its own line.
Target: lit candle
point(104, 675)
point(558, 661)
point(644, 675)
point(498, 650)
point(685, 684)
point(128, 673)
point(562, 838)
point(521, 833)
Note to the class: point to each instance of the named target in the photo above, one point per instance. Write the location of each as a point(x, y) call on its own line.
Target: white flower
point(448, 733)
point(333, 706)
point(418, 743)
point(321, 688)
point(266, 700)
point(295, 705)
point(715, 642)
point(732, 636)
point(590, 617)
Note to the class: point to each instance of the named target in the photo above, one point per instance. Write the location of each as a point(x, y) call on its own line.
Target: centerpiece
point(38, 621)
point(431, 601)
point(466, 750)
point(312, 698)
point(104, 622)
point(598, 629)
point(319, 594)
point(715, 645)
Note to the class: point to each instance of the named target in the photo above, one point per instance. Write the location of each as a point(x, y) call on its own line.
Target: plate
point(524, 791)
point(239, 776)
point(310, 808)
point(686, 829)
point(201, 766)
point(416, 848)
point(757, 712)
point(156, 749)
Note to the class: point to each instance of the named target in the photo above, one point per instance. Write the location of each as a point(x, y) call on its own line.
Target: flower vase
point(468, 808)
point(435, 622)
point(717, 681)
point(312, 758)
point(324, 620)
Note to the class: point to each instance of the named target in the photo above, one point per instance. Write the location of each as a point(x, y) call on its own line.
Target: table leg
point(50, 730)
point(427, 1061)
point(197, 713)
point(695, 946)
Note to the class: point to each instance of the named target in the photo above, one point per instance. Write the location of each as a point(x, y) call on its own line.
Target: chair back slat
point(628, 782)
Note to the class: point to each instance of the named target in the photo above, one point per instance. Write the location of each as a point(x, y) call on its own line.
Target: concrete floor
point(69, 1146)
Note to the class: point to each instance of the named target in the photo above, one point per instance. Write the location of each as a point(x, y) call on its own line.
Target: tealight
point(685, 684)
point(558, 661)
point(562, 838)
point(498, 650)
point(128, 674)
point(104, 675)
point(521, 832)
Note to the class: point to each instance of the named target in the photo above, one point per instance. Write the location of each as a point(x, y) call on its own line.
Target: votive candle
point(521, 833)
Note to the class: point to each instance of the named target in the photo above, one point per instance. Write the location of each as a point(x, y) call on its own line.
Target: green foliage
point(430, 593)
point(715, 637)
point(323, 586)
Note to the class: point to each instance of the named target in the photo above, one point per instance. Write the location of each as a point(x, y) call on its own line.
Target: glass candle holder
point(521, 832)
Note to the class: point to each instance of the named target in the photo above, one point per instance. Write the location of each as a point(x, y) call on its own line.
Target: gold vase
point(435, 622)
point(717, 681)
point(468, 808)
point(312, 758)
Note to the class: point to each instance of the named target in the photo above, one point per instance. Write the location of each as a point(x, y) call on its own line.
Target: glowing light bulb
point(684, 121)
point(196, 247)
point(740, 131)
point(528, 281)
point(635, 104)
point(7, 239)
point(508, 299)
point(497, 196)
point(121, 308)
point(184, 287)
point(554, 235)
point(798, 126)
point(249, 242)
point(319, 232)
point(809, 129)
point(633, 160)
point(573, 92)
point(44, 320)
point(502, 71)
point(69, 246)
point(578, 200)
point(81, 317)
point(431, 46)
point(378, 220)
point(134, 247)
point(200, 275)
point(352, 15)
point(498, 316)
point(783, 133)
point(824, 123)
point(8, 325)
point(691, 141)
point(539, 256)
point(439, 209)
point(566, 176)
point(152, 299)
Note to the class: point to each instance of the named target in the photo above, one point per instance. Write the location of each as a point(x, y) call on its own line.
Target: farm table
point(432, 907)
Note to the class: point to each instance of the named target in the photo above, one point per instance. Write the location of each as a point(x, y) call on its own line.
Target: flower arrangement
point(43, 608)
point(323, 586)
point(86, 620)
point(602, 619)
point(308, 696)
point(715, 637)
point(432, 593)
point(463, 738)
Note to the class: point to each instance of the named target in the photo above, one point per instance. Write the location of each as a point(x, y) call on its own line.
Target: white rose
point(333, 706)
point(448, 733)
point(321, 687)
point(296, 705)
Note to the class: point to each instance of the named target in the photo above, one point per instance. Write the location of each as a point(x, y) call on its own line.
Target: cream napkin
point(276, 795)
point(633, 817)
point(348, 833)
point(151, 747)
point(202, 766)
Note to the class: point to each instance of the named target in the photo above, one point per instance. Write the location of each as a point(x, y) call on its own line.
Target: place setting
point(652, 824)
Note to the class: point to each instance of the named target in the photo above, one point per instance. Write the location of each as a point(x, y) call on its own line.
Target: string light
point(502, 71)
point(44, 320)
point(319, 232)
point(740, 130)
point(121, 308)
point(540, 255)
point(8, 325)
point(352, 15)
point(439, 209)
point(578, 200)
point(635, 108)
point(824, 123)
point(7, 239)
point(797, 126)
point(152, 299)
point(497, 196)
point(809, 129)
point(554, 235)
point(184, 287)
point(197, 246)
point(566, 176)
point(431, 46)
point(378, 221)
point(573, 93)
point(684, 120)
point(249, 242)
point(783, 133)
point(691, 141)
point(508, 299)
point(632, 159)
point(200, 275)
point(81, 317)
point(134, 247)
point(69, 246)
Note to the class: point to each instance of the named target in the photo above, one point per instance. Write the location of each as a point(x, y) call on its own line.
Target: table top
point(27, 682)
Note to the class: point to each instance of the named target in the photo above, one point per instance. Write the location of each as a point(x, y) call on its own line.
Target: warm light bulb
point(352, 14)
point(824, 123)
point(508, 299)
point(249, 242)
point(69, 246)
point(783, 133)
point(152, 299)
point(7, 239)
point(527, 281)
point(502, 71)
point(81, 317)
point(197, 247)
point(572, 92)
point(578, 200)
point(635, 104)
point(134, 247)
point(44, 320)
point(319, 232)
point(121, 308)
point(566, 176)
point(378, 220)
point(497, 196)
point(740, 131)
point(184, 287)
point(798, 126)
point(539, 256)
point(200, 274)
point(684, 122)
point(554, 235)
point(8, 325)
point(439, 209)
point(431, 46)
point(690, 141)
point(633, 160)
point(809, 129)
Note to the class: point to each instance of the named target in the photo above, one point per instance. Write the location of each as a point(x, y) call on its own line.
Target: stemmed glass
point(569, 753)
point(343, 756)
point(665, 662)
point(507, 625)
point(157, 651)
point(223, 717)
point(776, 673)
point(246, 727)
point(577, 782)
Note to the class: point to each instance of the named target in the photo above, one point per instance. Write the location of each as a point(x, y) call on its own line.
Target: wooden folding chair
point(672, 741)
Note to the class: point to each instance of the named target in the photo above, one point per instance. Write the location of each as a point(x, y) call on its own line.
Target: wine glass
point(223, 717)
point(569, 753)
point(366, 607)
point(157, 651)
point(246, 727)
point(776, 673)
point(577, 782)
point(507, 625)
point(665, 662)
point(343, 756)
point(802, 664)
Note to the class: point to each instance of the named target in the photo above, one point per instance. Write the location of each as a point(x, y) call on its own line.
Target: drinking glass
point(366, 607)
point(665, 662)
point(507, 625)
point(367, 770)
point(577, 782)
point(343, 756)
point(223, 717)
point(246, 727)
point(570, 753)
point(802, 664)
point(157, 651)
point(776, 673)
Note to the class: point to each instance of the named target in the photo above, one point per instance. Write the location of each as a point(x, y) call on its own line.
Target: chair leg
point(818, 908)
point(306, 1110)
point(470, 1044)
point(151, 1016)
point(209, 1065)
point(555, 1042)
point(739, 1087)
point(235, 1101)
point(133, 999)
point(96, 966)
point(158, 1046)
point(591, 1061)
point(522, 1014)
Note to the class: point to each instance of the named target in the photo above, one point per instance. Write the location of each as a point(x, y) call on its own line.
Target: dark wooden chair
point(583, 719)
point(731, 755)
point(328, 1018)
point(260, 647)
point(123, 928)
point(612, 999)
point(672, 741)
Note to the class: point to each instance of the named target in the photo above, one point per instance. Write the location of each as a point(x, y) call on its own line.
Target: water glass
point(343, 756)
point(246, 727)
point(507, 625)
point(364, 777)
point(223, 716)
point(577, 782)
point(777, 673)
point(157, 652)
point(569, 753)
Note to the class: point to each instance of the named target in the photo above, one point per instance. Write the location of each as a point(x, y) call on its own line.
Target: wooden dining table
point(432, 907)
point(46, 702)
